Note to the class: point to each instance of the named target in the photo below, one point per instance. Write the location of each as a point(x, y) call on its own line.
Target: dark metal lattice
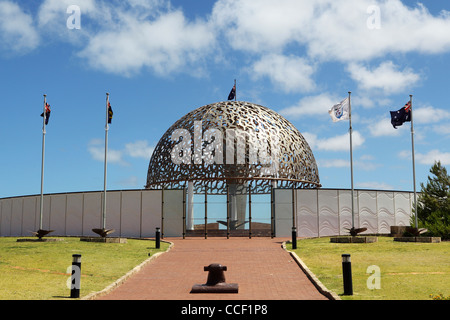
point(232, 143)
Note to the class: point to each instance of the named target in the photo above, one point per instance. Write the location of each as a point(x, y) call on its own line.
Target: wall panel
point(386, 214)
point(283, 212)
point(173, 213)
point(151, 212)
point(57, 214)
point(131, 214)
point(16, 217)
point(403, 203)
point(5, 227)
point(92, 213)
point(367, 203)
point(74, 214)
point(307, 218)
point(328, 212)
point(30, 219)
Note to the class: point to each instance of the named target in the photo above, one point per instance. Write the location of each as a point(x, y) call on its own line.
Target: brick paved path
point(260, 266)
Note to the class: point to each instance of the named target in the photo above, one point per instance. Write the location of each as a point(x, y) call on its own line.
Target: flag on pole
point(232, 93)
point(110, 113)
point(401, 116)
point(340, 111)
point(47, 113)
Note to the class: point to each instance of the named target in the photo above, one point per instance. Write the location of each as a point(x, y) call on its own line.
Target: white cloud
point(340, 30)
point(311, 106)
point(166, 43)
point(428, 158)
point(428, 114)
point(139, 149)
point(386, 77)
point(125, 37)
point(333, 163)
point(261, 26)
point(337, 143)
point(442, 129)
point(17, 33)
point(432, 156)
point(332, 30)
point(54, 12)
point(52, 19)
point(97, 151)
point(382, 127)
point(289, 73)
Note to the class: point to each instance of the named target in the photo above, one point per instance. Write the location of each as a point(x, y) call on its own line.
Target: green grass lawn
point(38, 271)
point(408, 271)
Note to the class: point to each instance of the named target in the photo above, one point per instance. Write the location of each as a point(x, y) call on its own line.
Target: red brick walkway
point(260, 266)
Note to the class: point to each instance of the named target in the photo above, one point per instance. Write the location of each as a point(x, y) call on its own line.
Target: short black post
point(76, 276)
point(294, 238)
point(158, 238)
point(347, 274)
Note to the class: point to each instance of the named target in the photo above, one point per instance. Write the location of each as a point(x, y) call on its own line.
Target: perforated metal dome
point(232, 143)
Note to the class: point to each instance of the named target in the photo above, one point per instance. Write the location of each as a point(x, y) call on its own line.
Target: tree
point(433, 207)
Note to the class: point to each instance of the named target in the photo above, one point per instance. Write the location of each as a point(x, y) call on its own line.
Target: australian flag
point(232, 93)
point(47, 113)
point(401, 116)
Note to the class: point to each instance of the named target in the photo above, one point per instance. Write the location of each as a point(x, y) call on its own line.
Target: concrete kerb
point(311, 276)
point(121, 280)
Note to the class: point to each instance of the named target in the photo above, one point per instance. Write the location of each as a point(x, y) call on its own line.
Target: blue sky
point(160, 60)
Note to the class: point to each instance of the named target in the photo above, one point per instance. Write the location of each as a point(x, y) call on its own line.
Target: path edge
point(311, 276)
point(115, 284)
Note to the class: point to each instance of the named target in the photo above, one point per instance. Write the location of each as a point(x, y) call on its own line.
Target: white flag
point(340, 111)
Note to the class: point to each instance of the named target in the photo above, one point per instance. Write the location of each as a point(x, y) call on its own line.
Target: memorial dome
point(232, 143)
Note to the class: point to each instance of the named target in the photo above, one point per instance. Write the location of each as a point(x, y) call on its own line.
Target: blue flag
point(401, 116)
point(232, 93)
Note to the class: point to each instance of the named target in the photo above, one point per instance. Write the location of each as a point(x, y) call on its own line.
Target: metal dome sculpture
point(232, 143)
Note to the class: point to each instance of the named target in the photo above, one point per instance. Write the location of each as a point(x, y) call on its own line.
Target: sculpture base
point(218, 288)
point(418, 239)
point(40, 240)
point(358, 239)
point(104, 240)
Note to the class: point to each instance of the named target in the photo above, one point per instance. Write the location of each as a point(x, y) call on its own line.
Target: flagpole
point(42, 165)
point(351, 156)
point(105, 165)
point(413, 160)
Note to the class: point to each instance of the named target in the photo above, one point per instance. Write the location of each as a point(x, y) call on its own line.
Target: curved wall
point(137, 213)
point(132, 213)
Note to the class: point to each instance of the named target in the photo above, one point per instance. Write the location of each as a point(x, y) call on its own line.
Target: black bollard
point(158, 238)
point(347, 274)
point(216, 281)
point(294, 238)
point(76, 276)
